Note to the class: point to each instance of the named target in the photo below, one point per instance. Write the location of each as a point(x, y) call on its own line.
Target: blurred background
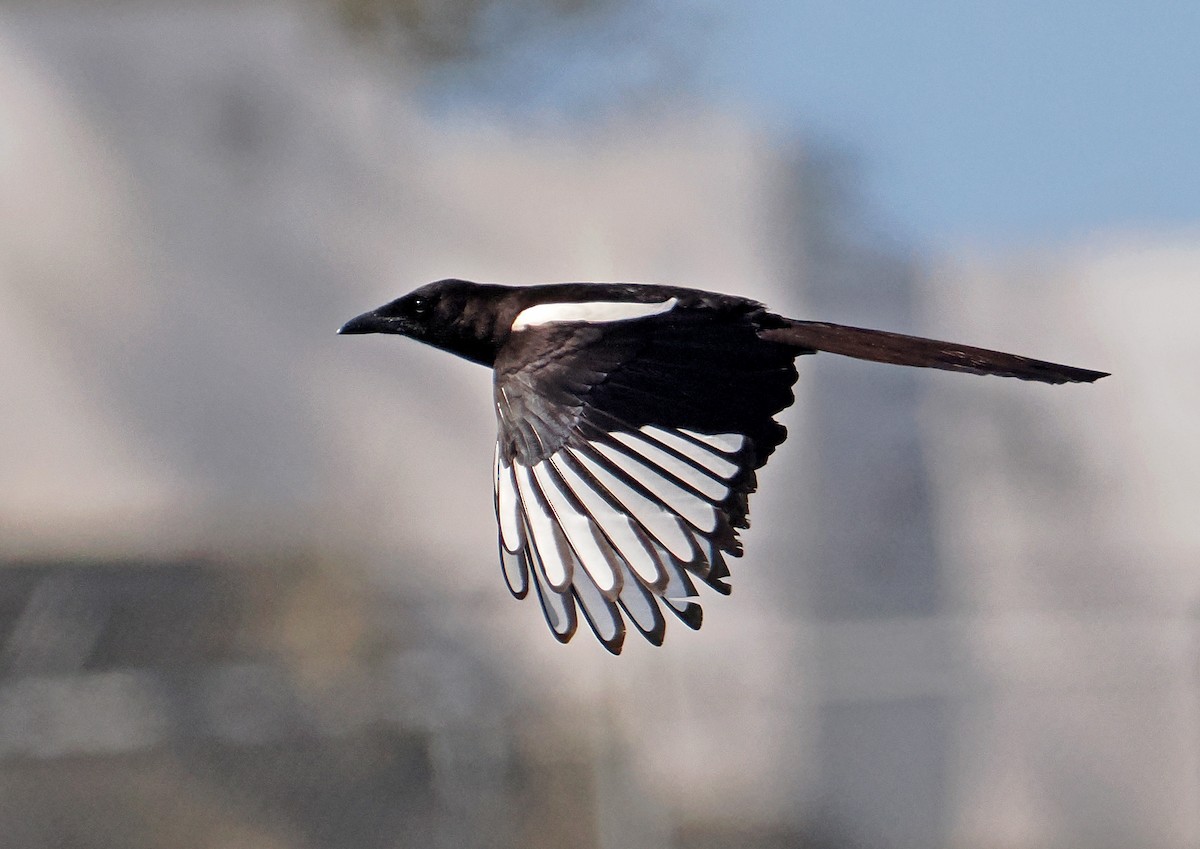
point(249, 596)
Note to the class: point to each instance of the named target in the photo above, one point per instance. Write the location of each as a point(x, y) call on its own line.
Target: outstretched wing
point(629, 435)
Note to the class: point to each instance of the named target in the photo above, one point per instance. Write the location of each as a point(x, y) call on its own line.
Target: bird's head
point(455, 315)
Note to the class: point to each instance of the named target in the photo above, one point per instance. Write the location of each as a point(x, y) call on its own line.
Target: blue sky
point(989, 123)
point(997, 124)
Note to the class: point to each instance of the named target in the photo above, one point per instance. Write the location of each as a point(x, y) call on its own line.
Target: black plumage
point(631, 422)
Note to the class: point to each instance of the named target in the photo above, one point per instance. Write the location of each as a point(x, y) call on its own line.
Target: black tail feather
point(883, 347)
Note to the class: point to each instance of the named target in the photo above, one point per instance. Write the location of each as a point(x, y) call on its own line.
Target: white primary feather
point(698, 512)
point(572, 526)
point(600, 612)
point(543, 530)
point(508, 507)
point(658, 522)
point(558, 607)
point(729, 443)
point(715, 462)
point(641, 607)
point(578, 529)
point(613, 523)
point(690, 475)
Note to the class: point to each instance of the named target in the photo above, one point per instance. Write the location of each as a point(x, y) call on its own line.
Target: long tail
point(896, 348)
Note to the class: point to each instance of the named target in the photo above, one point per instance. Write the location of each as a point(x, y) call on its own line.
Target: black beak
point(370, 322)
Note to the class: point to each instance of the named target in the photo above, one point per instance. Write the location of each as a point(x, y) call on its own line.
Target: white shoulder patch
point(589, 311)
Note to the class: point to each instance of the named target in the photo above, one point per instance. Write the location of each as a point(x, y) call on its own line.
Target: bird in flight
point(632, 420)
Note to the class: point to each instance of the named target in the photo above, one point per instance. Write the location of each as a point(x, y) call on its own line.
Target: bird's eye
point(418, 306)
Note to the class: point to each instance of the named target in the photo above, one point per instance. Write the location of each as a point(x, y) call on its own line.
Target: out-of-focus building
point(249, 595)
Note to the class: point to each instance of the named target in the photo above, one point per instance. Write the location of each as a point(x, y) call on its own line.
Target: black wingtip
point(654, 635)
point(688, 612)
point(614, 647)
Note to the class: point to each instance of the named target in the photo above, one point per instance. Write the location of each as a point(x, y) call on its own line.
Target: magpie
point(632, 420)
